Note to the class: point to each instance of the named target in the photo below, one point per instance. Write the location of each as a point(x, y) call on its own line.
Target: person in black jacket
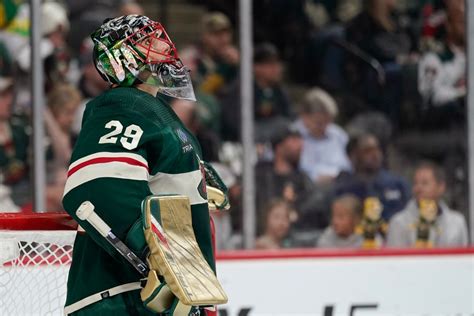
point(281, 177)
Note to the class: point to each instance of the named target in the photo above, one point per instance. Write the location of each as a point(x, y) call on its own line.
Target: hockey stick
point(86, 213)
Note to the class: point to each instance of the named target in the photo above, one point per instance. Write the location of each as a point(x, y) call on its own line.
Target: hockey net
point(35, 255)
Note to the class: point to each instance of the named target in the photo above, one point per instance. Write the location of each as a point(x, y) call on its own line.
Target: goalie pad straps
point(156, 295)
point(174, 251)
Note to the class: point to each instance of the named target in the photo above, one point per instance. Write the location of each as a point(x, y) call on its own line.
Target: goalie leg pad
point(174, 251)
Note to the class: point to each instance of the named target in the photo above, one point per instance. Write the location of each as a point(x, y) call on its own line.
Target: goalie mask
point(133, 48)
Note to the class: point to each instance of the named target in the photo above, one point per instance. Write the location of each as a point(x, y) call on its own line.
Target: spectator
point(57, 64)
point(14, 144)
point(368, 178)
point(53, 47)
point(213, 63)
point(281, 178)
point(427, 220)
point(346, 214)
point(14, 34)
point(207, 105)
point(277, 226)
point(217, 58)
point(375, 27)
point(208, 140)
point(324, 142)
point(442, 71)
point(63, 102)
point(386, 46)
point(271, 102)
point(13, 138)
point(270, 97)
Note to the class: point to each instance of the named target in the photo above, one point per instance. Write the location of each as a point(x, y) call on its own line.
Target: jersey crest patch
point(184, 139)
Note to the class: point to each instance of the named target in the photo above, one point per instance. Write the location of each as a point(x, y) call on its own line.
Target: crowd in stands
point(359, 108)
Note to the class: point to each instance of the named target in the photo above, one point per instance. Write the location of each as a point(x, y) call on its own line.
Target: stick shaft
point(86, 212)
point(129, 255)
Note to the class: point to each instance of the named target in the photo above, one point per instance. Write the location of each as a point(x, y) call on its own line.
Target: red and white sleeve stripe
point(106, 165)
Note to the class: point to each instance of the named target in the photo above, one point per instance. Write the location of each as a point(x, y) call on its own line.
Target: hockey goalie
point(139, 169)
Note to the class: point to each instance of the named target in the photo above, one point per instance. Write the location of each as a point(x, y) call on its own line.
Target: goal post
point(35, 255)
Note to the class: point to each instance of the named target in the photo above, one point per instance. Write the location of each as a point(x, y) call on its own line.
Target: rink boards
point(328, 283)
point(388, 282)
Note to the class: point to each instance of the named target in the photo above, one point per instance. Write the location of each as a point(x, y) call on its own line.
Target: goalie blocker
point(175, 254)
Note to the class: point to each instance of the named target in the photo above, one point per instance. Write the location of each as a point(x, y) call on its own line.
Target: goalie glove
point(217, 192)
point(216, 199)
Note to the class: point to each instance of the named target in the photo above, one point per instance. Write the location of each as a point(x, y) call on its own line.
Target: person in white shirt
point(442, 69)
point(324, 143)
point(442, 227)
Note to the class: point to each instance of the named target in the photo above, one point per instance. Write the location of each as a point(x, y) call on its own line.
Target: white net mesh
point(33, 271)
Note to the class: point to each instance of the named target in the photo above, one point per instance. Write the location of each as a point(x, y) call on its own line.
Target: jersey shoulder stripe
point(106, 165)
point(104, 154)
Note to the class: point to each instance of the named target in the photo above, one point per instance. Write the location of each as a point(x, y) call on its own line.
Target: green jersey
point(131, 145)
